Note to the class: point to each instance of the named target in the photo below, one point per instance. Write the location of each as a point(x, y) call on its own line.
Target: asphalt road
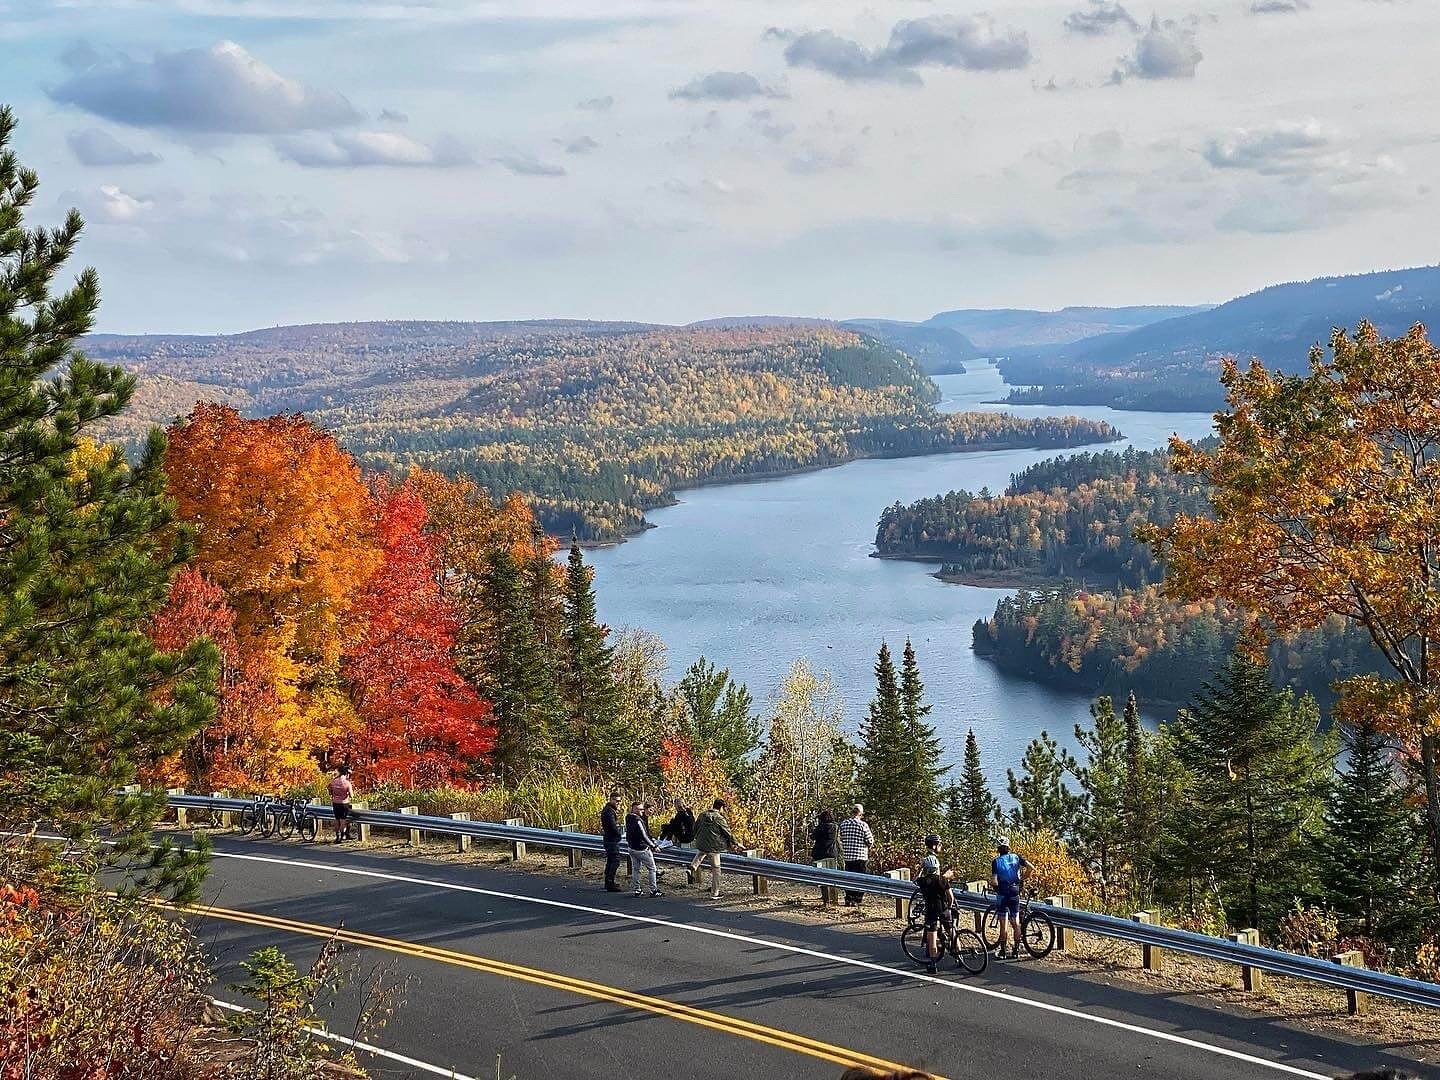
point(562, 980)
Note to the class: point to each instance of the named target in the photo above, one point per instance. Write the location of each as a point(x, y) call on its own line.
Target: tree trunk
point(1429, 751)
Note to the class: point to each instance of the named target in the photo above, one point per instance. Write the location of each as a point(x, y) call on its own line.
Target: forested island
point(593, 423)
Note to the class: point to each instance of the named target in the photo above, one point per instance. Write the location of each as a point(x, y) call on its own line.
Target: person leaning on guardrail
point(341, 791)
point(856, 840)
point(611, 833)
point(712, 836)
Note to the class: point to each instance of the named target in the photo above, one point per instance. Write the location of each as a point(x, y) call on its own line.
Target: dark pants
point(612, 865)
point(855, 866)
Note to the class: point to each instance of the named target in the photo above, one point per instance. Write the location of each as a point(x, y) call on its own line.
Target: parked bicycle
point(255, 816)
point(286, 817)
point(1037, 929)
point(965, 947)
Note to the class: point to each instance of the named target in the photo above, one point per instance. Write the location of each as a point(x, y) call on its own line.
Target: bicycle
point(1037, 929)
point(965, 947)
point(256, 816)
point(286, 817)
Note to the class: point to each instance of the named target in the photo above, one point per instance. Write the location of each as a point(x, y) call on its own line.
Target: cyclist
point(341, 789)
point(1007, 874)
point(939, 900)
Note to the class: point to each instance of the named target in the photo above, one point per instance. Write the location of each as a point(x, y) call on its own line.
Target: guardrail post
point(414, 840)
point(576, 855)
point(462, 841)
point(182, 815)
point(1251, 978)
point(759, 883)
point(978, 887)
point(517, 847)
point(130, 789)
point(828, 892)
point(902, 874)
point(227, 817)
point(1062, 941)
point(1152, 957)
point(363, 827)
point(1357, 1000)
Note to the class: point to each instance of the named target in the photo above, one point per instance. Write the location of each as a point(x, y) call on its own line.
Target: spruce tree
point(521, 682)
point(1255, 790)
point(588, 677)
point(1139, 803)
point(1101, 829)
point(1368, 840)
point(719, 717)
point(1042, 798)
point(971, 809)
point(920, 765)
point(882, 749)
point(88, 547)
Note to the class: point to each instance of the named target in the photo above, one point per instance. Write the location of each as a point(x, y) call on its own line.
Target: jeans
point(855, 866)
point(713, 858)
point(612, 864)
point(647, 860)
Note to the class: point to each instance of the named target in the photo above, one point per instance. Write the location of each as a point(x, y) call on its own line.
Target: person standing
point(1007, 874)
point(712, 836)
point(642, 848)
point(856, 840)
point(341, 791)
point(611, 833)
point(825, 838)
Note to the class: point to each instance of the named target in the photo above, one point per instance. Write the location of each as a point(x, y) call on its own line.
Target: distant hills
point(1003, 329)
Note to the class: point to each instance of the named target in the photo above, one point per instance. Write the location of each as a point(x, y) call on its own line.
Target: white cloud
point(724, 86)
point(1100, 17)
point(356, 149)
point(92, 146)
point(525, 165)
point(949, 41)
point(1279, 148)
point(1165, 51)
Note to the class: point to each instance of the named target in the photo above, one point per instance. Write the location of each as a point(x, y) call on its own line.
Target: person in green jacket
point(712, 836)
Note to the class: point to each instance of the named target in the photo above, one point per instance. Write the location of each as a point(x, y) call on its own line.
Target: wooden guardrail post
point(364, 829)
point(517, 847)
point(414, 840)
point(182, 814)
point(1152, 957)
point(828, 892)
point(978, 887)
point(902, 874)
point(1356, 1000)
point(759, 883)
point(462, 840)
point(1251, 978)
point(1062, 940)
point(576, 855)
point(227, 817)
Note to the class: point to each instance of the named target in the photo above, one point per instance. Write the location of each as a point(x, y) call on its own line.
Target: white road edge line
point(364, 1047)
point(798, 950)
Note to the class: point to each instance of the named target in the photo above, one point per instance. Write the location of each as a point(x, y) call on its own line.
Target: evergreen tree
point(1139, 802)
point(1254, 793)
point(588, 676)
point(1368, 842)
point(88, 546)
point(719, 718)
point(971, 810)
point(920, 766)
point(521, 679)
point(882, 749)
point(1103, 778)
point(1042, 799)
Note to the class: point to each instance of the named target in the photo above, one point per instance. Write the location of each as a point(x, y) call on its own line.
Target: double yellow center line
point(730, 1025)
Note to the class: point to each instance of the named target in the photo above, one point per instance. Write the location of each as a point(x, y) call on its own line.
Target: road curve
point(562, 980)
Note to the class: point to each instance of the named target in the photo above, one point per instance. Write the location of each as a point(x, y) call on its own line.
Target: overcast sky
point(244, 163)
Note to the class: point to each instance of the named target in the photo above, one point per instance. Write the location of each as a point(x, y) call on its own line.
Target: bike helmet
point(932, 840)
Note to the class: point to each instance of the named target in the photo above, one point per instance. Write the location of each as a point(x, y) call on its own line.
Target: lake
point(756, 575)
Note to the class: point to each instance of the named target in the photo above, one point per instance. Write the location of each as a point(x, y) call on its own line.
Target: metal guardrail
point(1355, 980)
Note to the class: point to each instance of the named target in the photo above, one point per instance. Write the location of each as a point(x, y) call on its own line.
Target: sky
point(247, 163)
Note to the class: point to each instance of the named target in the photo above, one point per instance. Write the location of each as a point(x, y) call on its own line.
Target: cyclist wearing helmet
point(1007, 873)
point(939, 900)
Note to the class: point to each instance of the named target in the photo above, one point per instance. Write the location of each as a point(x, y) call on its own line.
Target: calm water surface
point(756, 575)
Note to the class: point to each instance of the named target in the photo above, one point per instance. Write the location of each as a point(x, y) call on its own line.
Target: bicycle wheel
point(915, 912)
point(990, 927)
point(913, 942)
point(970, 951)
point(1037, 931)
point(309, 826)
point(249, 820)
point(285, 822)
point(268, 822)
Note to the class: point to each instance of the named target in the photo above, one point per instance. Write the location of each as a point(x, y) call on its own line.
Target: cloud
point(393, 116)
point(524, 165)
point(724, 86)
point(765, 122)
point(222, 89)
point(1277, 7)
point(348, 150)
point(813, 158)
point(950, 41)
point(113, 205)
point(91, 146)
point(1280, 148)
point(582, 145)
point(597, 104)
point(1100, 17)
point(1165, 51)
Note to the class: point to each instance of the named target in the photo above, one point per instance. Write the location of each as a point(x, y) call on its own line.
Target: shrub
point(1311, 931)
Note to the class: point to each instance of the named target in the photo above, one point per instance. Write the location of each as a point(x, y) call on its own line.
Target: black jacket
point(825, 840)
point(680, 829)
point(636, 834)
point(610, 824)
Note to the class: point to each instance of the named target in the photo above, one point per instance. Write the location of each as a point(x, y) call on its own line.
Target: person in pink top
point(340, 791)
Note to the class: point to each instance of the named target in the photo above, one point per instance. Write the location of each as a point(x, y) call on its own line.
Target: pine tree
point(1138, 802)
point(588, 677)
point(882, 749)
point(1368, 841)
point(1255, 789)
point(1101, 830)
point(521, 680)
point(921, 769)
point(1042, 798)
point(719, 718)
point(971, 809)
point(88, 545)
